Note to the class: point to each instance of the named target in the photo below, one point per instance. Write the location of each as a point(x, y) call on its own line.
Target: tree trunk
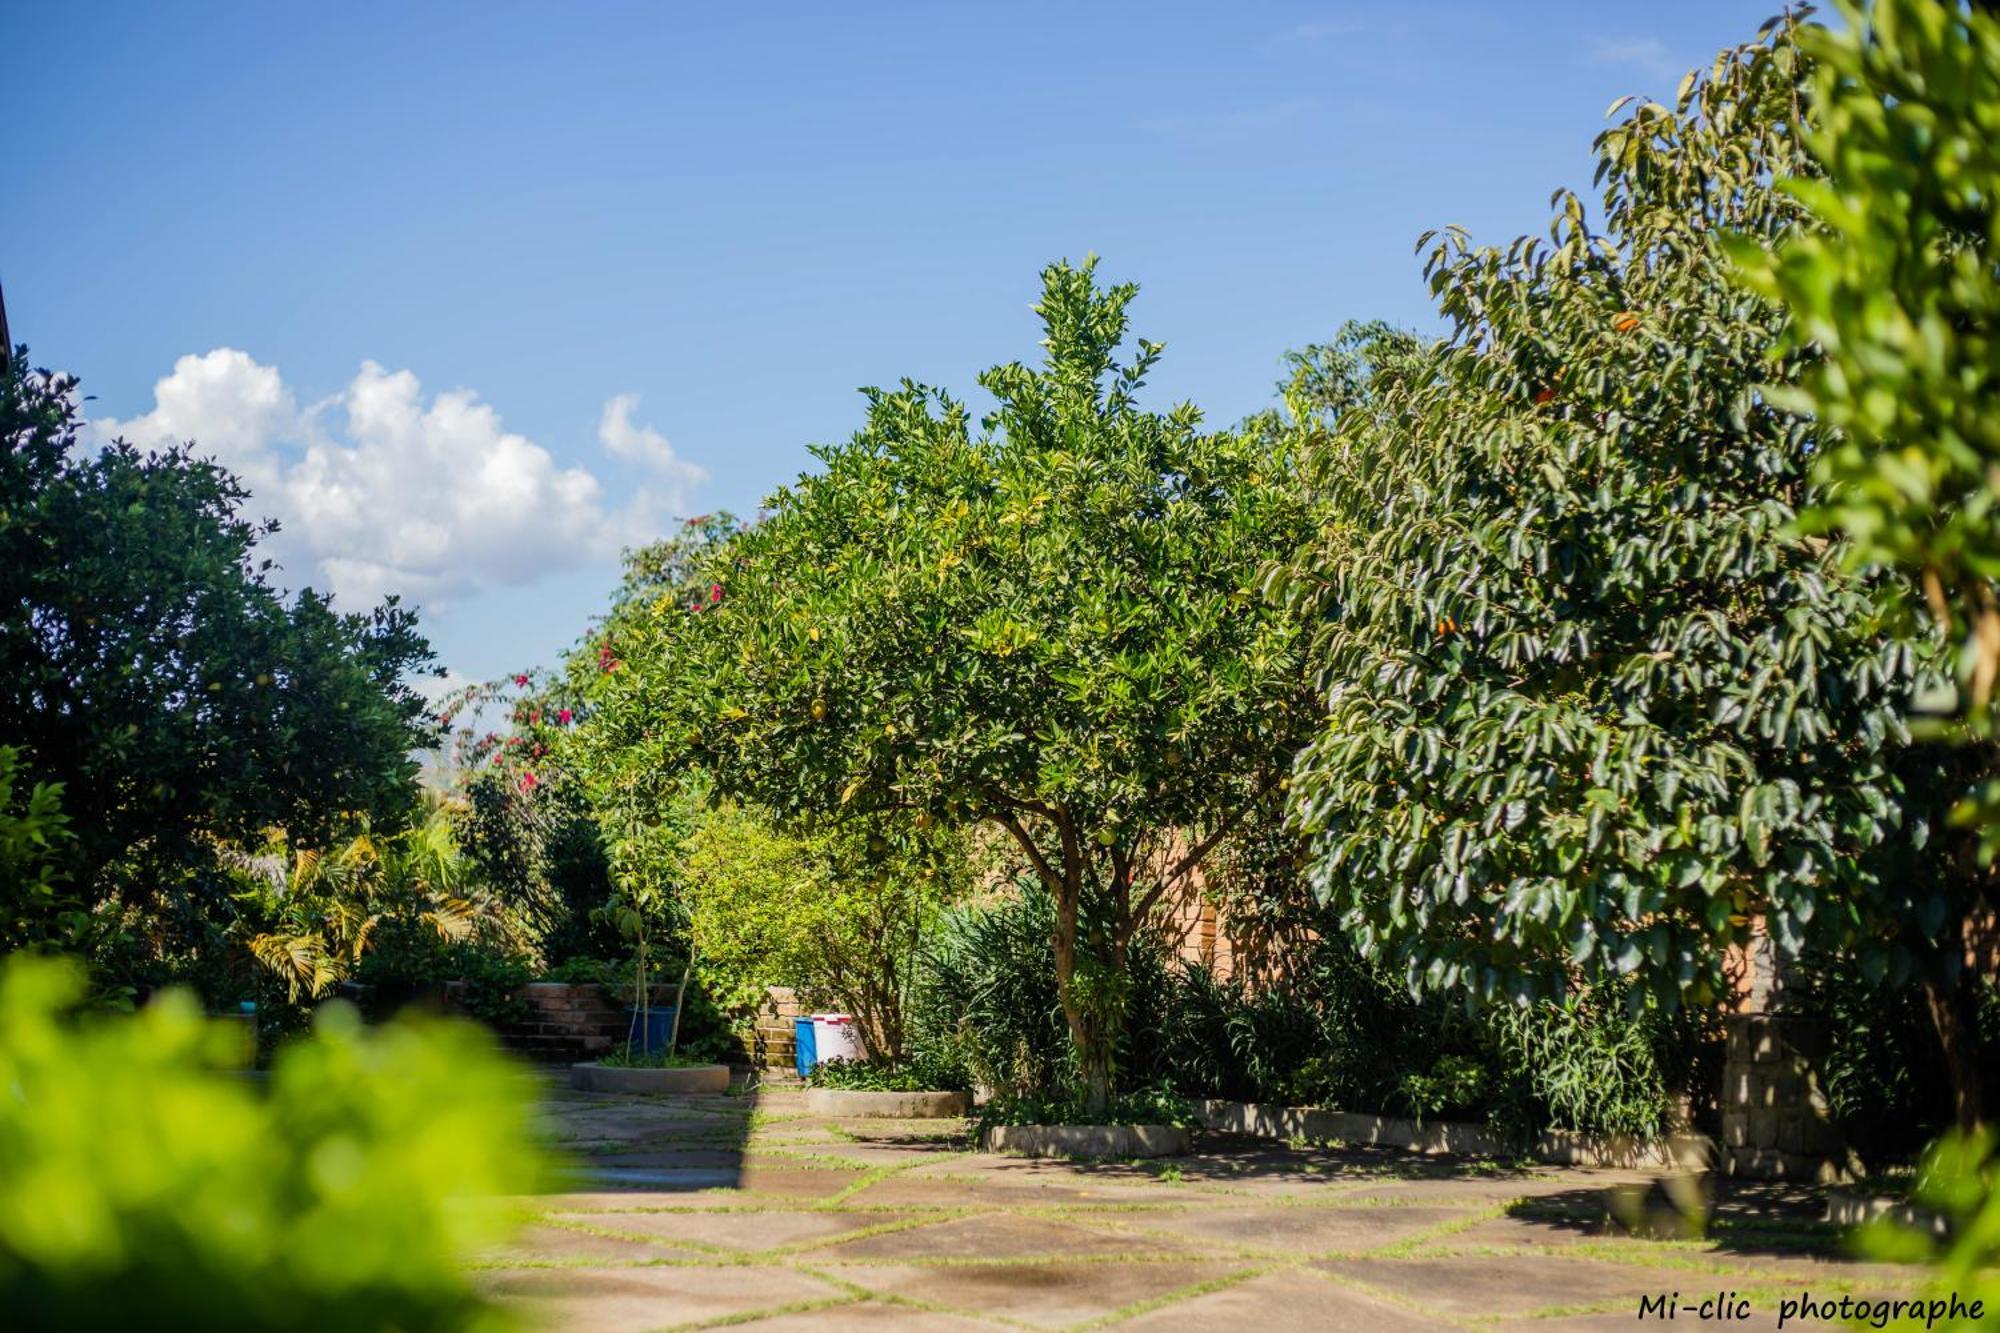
point(641, 994)
point(680, 1004)
point(1954, 1030)
point(1094, 1029)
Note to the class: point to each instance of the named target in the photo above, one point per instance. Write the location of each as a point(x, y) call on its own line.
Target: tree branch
point(1185, 866)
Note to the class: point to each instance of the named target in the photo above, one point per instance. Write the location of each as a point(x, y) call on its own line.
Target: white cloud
point(641, 444)
point(1645, 53)
point(1319, 30)
point(379, 491)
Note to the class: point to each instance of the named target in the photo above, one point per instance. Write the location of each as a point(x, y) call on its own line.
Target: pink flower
point(521, 680)
point(562, 718)
point(529, 782)
point(714, 592)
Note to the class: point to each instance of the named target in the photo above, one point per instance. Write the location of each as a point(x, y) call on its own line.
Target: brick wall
point(567, 1023)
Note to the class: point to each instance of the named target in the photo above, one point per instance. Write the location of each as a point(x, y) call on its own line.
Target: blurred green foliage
point(146, 1181)
point(1959, 1180)
point(1893, 291)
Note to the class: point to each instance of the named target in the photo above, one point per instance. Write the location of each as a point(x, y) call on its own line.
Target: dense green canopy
point(149, 668)
point(1593, 703)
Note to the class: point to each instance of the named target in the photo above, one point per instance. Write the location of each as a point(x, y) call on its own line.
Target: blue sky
point(473, 294)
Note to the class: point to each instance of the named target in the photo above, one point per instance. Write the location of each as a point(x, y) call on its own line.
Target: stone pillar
point(1775, 1123)
point(1774, 1116)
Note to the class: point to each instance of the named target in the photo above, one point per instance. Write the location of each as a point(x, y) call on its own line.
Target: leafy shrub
point(409, 961)
point(919, 1073)
point(581, 971)
point(1453, 1084)
point(145, 1183)
point(1331, 1030)
point(1334, 1029)
point(1151, 1105)
point(837, 910)
point(987, 999)
point(542, 855)
point(629, 1057)
point(1594, 1062)
point(1884, 1076)
point(32, 831)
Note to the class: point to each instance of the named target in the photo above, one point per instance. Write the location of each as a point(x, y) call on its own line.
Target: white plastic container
point(836, 1038)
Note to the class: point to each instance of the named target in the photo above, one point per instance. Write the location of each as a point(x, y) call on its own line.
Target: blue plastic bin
point(654, 1033)
point(805, 1049)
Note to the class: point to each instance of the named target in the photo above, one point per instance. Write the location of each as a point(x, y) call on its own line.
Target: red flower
point(529, 782)
point(562, 718)
point(714, 592)
point(535, 718)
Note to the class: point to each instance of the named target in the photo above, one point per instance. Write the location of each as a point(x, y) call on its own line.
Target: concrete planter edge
point(848, 1102)
point(1686, 1152)
point(1088, 1140)
point(594, 1077)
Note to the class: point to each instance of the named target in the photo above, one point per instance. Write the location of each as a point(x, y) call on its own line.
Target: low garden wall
point(1687, 1152)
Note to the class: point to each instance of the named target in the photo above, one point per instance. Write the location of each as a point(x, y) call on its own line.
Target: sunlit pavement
point(743, 1210)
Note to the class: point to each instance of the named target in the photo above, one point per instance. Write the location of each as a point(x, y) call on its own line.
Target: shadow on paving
point(664, 1145)
point(1234, 1159)
point(1737, 1216)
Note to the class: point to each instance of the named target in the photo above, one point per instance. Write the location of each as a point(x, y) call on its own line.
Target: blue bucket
point(653, 1034)
point(805, 1047)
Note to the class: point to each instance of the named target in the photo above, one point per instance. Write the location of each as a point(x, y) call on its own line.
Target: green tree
point(32, 831)
point(1593, 704)
point(1046, 623)
point(838, 911)
point(149, 668)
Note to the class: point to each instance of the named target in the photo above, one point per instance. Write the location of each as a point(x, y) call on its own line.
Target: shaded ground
point(700, 1211)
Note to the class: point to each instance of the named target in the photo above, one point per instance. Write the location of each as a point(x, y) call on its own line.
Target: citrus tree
point(1043, 620)
point(1593, 704)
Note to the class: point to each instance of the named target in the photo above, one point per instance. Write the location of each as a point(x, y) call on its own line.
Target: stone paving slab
point(1046, 1295)
point(745, 1210)
point(745, 1232)
point(543, 1244)
point(1516, 1285)
point(1300, 1231)
point(867, 1317)
point(1282, 1302)
point(638, 1300)
point(998, 1236)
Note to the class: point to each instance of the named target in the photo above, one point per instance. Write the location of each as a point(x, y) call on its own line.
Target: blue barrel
point(653, 1034)
point(805, 1047)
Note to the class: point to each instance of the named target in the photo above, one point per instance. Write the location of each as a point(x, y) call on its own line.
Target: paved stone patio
point(743, 1210)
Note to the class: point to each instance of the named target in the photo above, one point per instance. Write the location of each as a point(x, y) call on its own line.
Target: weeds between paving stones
point(924, 1247)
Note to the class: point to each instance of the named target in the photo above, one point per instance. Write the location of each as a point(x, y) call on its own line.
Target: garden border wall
point(887, 1105)
point(1558, 1147)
